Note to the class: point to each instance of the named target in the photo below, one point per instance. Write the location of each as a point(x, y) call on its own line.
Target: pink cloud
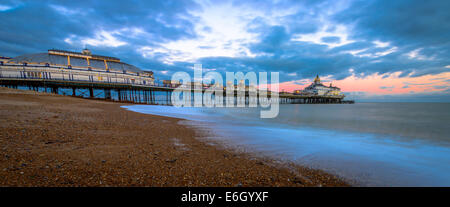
point(376, 84)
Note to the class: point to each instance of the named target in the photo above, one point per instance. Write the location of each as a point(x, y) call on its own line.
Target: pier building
point(319, 89)
point(80, 66)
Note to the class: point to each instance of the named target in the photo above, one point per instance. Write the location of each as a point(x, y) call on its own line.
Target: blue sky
point(398, 41)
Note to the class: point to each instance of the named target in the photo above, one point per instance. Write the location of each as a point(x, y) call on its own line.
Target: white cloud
point(133, 32)
point(69, 11)
point(68, 40)
point(5, 7)
point(63, 10)
point(340, 31)
point(387, 52)
point(381, 44)
point(102, 38)
point(221, 31)
point(361, 53)
point(356, 52)
point(415, 54)
point(151, 52)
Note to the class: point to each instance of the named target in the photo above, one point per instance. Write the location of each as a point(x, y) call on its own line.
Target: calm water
point(374, 144)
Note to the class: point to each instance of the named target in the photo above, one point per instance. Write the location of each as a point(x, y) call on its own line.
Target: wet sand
point(54, 140)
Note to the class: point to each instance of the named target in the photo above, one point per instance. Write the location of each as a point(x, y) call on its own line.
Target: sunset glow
point(380, 84)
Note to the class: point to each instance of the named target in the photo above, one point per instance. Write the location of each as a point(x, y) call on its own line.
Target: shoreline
point(56, 140)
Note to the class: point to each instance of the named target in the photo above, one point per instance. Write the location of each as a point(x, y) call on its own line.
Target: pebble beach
point(54, 140)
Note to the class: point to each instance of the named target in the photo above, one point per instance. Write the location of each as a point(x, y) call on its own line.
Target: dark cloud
point(273, 41)
point(406, 24)
point(34, 26)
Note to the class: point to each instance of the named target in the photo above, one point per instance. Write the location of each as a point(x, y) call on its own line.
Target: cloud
point(381, 44)
point(415, 54)
point(4, 7)
point(35, 26)
point(331, 39)
point(102, 38)
point(441, 87)
point(387, 87)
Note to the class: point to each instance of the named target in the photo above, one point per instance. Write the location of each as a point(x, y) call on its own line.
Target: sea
point(366, 144)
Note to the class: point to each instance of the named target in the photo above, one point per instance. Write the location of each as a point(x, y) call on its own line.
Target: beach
point(55, 140)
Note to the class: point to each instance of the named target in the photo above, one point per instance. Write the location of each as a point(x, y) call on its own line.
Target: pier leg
point(167, 97)
point(132, 96)
point(145, 96)
point(91, 92)
point(55, 90)
point(107, 94)
point(138, 96)
point(151, 96)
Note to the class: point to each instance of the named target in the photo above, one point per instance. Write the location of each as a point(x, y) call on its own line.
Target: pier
point(138, 94)
point(99, 77)
point(120, 91)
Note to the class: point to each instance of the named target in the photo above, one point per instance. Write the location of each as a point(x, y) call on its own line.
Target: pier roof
point(60, 57)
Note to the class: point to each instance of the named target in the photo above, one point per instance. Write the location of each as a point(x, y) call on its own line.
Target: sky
point(388, 50)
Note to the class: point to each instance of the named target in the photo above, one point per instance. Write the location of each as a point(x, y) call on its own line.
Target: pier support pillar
point(151, 96)
point(91, 92)
point(107, 94)
point(55, 90)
